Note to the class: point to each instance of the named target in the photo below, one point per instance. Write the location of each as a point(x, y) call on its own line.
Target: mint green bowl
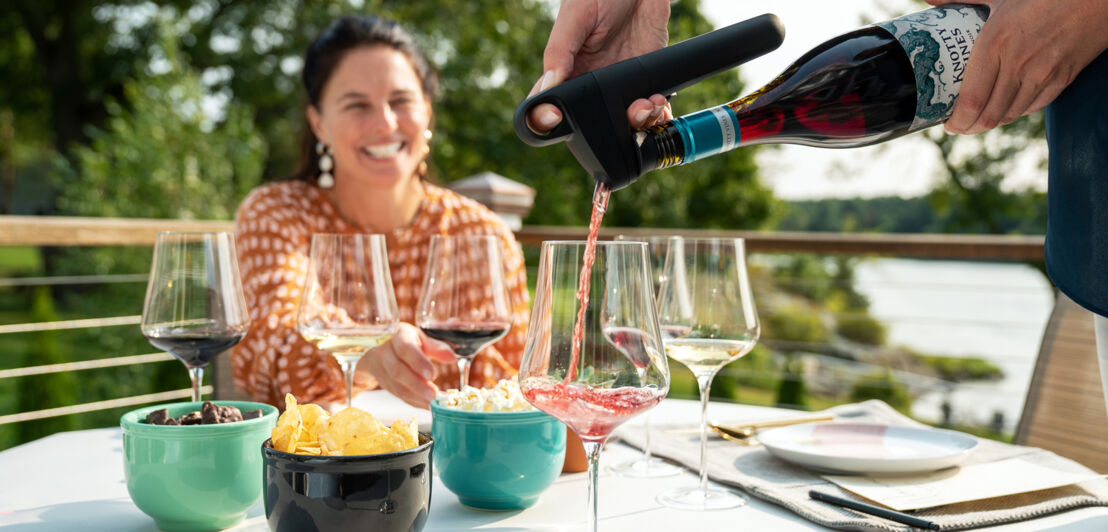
point(195, 477)
point(497, 460)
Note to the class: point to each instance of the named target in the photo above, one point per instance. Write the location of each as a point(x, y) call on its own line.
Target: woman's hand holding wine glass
point(464, 302)
point(347, 306)
point(406, 360)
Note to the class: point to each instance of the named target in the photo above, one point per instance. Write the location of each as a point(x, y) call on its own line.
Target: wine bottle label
point(938, 42)
point(708, 132)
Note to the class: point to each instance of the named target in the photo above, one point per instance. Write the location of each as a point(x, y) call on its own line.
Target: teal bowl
point(195, 477)
point(497, 460)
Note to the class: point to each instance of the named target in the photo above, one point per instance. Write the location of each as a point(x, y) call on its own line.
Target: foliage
point(804, 275)
point(792, 391)
point(249, 55)
point(795, 323)
point(821, 280)
point(861, 328)
point(49, 390)
point(959, 369)
point(885, 386)
point(894, 214)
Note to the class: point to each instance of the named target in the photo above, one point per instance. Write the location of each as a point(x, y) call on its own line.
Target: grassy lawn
point(20, 261)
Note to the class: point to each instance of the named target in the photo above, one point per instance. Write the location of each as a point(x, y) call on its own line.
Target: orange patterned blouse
point(273, 229)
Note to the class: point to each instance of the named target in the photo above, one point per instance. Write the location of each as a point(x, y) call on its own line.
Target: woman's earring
point(326, 163)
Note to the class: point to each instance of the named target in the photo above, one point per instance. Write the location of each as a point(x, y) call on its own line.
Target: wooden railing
point(58, 231)
point(71, 231)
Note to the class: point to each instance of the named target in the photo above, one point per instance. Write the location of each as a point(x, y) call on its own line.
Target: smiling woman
point(364, 169)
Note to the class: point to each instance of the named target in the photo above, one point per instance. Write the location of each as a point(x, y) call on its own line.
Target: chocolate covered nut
point(213, 413)
point(191, 418)
point(251, 414)
point(159, 417)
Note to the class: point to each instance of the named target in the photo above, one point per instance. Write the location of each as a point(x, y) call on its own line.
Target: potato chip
point(314, 418)
point(310, 430)
point(308, 449)
point(348, 430)
point(294, 426)
point(408, 433)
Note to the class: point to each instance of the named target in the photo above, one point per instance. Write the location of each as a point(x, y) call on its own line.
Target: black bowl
point(380, 492)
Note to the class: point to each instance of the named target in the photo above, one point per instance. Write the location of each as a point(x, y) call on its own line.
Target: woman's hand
point(403, 365)
point(1026, 54)
point(589, 34)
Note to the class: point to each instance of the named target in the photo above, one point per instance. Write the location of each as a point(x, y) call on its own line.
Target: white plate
point(868, 448)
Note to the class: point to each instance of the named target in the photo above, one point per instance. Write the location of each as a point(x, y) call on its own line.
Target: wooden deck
point(1065, 410)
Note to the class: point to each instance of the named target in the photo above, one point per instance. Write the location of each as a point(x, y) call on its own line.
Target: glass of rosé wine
point(594, 355)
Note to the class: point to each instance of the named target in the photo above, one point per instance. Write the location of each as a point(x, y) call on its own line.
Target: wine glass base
point(643, 467)
point(701, 499)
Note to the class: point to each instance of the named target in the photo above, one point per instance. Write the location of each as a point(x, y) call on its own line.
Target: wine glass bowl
point(706, 309)
point(646, 466)
point(594, 355)
point(194, 307)
point(347, 306)
point(464, 302)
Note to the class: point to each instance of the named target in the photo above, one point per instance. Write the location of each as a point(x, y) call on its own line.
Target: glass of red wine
point(706, 307)
point(348, 306)
point(646, 466)
point(594, 355)
point(194, 306)
point(464, 302)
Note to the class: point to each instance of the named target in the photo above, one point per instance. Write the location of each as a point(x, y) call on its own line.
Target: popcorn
point(504, 397)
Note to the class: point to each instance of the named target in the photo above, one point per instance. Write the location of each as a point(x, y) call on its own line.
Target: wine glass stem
point(705, 382)
point(645, 426)
point(348, 376)
point(592, 452)
point(197, 375)
point(463, 370)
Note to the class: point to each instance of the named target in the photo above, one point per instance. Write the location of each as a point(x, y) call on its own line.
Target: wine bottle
point(860, 88)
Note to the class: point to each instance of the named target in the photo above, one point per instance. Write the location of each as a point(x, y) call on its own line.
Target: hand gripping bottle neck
point(594, 104)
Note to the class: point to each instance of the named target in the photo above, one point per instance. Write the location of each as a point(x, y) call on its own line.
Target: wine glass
point(646, 466)
point(593, 357)
point(194, 306)
point(347, 306)
point(464, 302)
point(707, 306)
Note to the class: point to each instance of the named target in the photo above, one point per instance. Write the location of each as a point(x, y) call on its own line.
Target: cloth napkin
point(757, 472)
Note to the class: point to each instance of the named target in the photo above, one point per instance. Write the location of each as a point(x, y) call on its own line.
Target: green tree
point(792, 390)
point(44, 391)
point(883, 385)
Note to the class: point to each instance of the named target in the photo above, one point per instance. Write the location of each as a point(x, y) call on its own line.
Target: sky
point(906, 167)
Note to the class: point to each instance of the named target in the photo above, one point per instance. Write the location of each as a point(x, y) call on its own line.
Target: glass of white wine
point(706, 308)
point(347, 306)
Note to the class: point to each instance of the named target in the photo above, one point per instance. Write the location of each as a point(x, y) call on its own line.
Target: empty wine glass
point(596, 376)
point(347, 306)
point(194, 306)
point(707, 305)
point(464, 300)
point(646, 466)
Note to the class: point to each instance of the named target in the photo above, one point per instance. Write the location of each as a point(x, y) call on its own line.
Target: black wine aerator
point(594, 104)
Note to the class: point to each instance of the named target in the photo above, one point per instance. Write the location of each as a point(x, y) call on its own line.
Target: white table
point(74, 481)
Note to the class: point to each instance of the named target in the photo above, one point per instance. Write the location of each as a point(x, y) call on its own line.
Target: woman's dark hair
point(329, 48)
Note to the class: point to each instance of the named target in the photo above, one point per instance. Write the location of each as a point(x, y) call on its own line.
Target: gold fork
point(744, 434)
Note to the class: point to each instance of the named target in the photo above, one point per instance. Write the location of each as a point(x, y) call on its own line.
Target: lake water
point(995, 311)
